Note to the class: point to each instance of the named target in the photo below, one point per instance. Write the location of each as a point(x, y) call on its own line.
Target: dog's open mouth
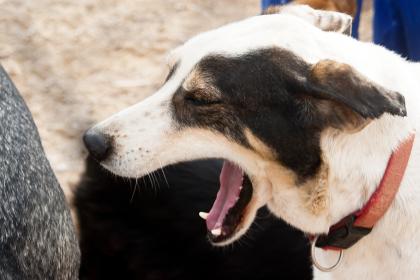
point(227, 211)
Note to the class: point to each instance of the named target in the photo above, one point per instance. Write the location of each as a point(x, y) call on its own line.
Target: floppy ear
point(340, 83)
point(342, 97)
point(324, 20)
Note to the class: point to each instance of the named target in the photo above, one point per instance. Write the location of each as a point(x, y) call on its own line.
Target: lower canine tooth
point(216, 231)
point(203, 215)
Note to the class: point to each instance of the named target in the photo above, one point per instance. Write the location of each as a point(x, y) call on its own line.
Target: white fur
point(356, 161)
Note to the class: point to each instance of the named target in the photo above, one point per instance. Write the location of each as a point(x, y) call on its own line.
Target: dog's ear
point(324, 20)
point(342, 95)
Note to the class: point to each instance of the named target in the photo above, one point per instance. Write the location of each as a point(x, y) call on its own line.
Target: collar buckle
point(343, 235)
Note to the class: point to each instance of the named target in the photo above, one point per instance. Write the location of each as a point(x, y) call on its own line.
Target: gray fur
point(37, 237)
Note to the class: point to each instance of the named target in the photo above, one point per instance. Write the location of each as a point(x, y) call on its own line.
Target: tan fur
point(195, 80)
point(325, 69)
point(341, 117)
point(317, 192)
point(271, 10)
point(344, 118)
point(343, 6)
point(201, 84)
point(316, 189)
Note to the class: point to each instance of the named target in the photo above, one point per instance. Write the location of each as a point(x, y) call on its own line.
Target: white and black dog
point(308, 118)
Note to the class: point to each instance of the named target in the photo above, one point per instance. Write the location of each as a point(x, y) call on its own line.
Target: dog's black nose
point(98, 144)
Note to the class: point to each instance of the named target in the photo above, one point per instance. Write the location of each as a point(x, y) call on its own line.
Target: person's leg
point(409, 11)
point(397, 26)
point(387, 26)
point(356, 20)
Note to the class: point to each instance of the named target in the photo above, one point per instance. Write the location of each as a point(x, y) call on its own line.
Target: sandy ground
point(77, 62)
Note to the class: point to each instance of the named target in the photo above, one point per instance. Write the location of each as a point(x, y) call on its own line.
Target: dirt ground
point(77, 62)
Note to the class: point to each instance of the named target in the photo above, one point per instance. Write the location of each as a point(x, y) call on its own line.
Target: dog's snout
point(98, 144)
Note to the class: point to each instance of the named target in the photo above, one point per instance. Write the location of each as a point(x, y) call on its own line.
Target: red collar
point(352, 228)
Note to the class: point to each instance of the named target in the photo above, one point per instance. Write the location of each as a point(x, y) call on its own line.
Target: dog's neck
point(354, 164)
point(357, 164)
point(357, 161)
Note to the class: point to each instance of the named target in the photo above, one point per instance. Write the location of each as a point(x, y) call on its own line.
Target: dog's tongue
point(231, 179)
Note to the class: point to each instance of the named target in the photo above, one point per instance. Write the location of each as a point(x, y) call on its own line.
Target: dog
point(149, 229)
point(306, 119)
point(343, 6)
point(37, 238)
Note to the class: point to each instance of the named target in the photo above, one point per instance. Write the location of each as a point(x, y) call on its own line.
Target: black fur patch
point(284, 101)
point(143, 229)
point(256, 93)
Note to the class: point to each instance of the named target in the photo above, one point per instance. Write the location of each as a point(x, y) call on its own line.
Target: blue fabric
point(396, 25)
point(356, 20)
point(266, 3)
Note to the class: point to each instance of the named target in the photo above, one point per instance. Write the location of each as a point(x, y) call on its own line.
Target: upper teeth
point(216, 231)
point(203, 215)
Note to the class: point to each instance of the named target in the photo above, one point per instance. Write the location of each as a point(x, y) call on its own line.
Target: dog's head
point(248, 93)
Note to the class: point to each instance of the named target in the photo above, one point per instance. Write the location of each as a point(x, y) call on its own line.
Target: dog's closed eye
point(201, 98)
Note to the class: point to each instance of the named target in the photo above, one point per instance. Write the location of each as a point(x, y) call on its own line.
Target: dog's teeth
point(203, 215)
point(216, 231)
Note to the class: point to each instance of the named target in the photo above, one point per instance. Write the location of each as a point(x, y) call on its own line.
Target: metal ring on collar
point(318, 265)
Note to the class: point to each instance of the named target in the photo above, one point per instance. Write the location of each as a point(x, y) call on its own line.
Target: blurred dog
point(149, 229)
point(343, 6)
point(37, 239)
